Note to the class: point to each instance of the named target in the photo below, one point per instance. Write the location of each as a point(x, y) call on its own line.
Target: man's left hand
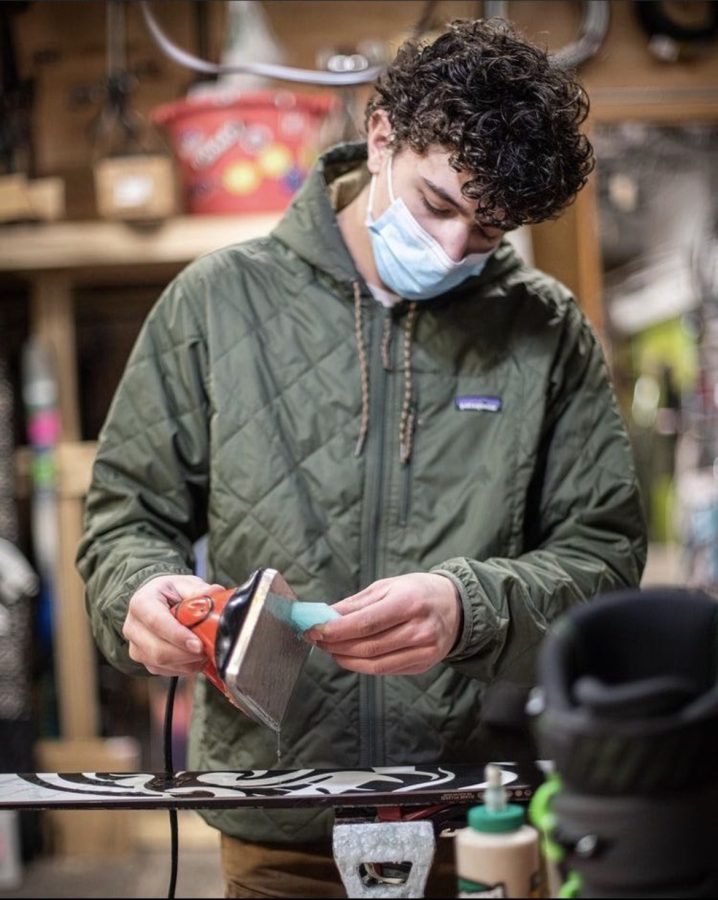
point(396, 626)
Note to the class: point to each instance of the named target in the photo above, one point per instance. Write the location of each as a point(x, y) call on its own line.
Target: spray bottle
point(497, 855)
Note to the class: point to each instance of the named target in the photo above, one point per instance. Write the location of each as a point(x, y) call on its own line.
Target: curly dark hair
point(506, 113)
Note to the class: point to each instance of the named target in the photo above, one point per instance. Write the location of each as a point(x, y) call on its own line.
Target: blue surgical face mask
point(408, 259)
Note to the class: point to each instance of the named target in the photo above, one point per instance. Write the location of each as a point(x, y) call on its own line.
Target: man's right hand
point(156, 639)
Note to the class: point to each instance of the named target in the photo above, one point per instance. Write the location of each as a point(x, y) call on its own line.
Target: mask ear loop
point(369, 218)
point(389, 178)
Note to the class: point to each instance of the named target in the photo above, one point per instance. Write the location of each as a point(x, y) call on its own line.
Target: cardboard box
point(23, 200)
point(131, 188)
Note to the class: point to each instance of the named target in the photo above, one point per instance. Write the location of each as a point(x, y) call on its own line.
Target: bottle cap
point(510, 818)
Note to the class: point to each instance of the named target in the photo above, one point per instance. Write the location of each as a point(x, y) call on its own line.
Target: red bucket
point(247, 153)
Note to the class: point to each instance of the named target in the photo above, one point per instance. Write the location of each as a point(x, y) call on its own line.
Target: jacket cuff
point(114, 612)
point(482, 625)
point(116, 608)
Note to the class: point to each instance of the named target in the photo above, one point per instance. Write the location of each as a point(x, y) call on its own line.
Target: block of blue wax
point(303, 615)
point(300, 615)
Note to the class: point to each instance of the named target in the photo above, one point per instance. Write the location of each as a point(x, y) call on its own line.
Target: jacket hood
point(309, 227)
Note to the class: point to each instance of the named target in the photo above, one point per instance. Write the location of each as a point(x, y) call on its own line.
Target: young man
point(381, 401)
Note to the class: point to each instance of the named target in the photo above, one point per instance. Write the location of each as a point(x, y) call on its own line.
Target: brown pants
point(308, 870)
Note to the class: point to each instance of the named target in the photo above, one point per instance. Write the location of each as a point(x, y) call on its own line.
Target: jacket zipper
point(371, 689)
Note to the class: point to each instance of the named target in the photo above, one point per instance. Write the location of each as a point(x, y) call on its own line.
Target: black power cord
point(169, 773)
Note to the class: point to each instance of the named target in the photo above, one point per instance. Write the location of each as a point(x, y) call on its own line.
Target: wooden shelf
point(654, 105)
point(72, 246)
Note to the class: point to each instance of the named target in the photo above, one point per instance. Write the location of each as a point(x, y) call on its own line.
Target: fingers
point(401, 625)
point(392, 640)
point(147, 647)
point(375, 591)
point(156, 639)
point(411, 661)
point(151, 624)
point(370, 616)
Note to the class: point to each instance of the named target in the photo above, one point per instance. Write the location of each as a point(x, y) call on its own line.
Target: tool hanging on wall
point(677, 31)
point(16, 96)
point(592, 30)
point(133, 173)
point(347, 123)
point(265, 70)
point(22, 197)
point(592, 33)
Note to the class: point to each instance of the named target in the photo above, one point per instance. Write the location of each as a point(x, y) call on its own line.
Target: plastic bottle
point(497, 854)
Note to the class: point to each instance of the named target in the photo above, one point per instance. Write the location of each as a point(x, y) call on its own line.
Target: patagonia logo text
point(479, 402)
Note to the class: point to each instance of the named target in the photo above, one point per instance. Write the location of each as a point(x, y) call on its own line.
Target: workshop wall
point(96, 313)
point(62, 46)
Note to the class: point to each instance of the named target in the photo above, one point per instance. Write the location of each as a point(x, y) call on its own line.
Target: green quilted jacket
point(493, 452)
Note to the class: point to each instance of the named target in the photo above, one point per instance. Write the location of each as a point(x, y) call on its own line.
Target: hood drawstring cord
point(407, 420)
point(363, 370)
point(406, 424)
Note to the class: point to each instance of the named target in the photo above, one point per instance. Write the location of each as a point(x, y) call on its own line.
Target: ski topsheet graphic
point(380, 786)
